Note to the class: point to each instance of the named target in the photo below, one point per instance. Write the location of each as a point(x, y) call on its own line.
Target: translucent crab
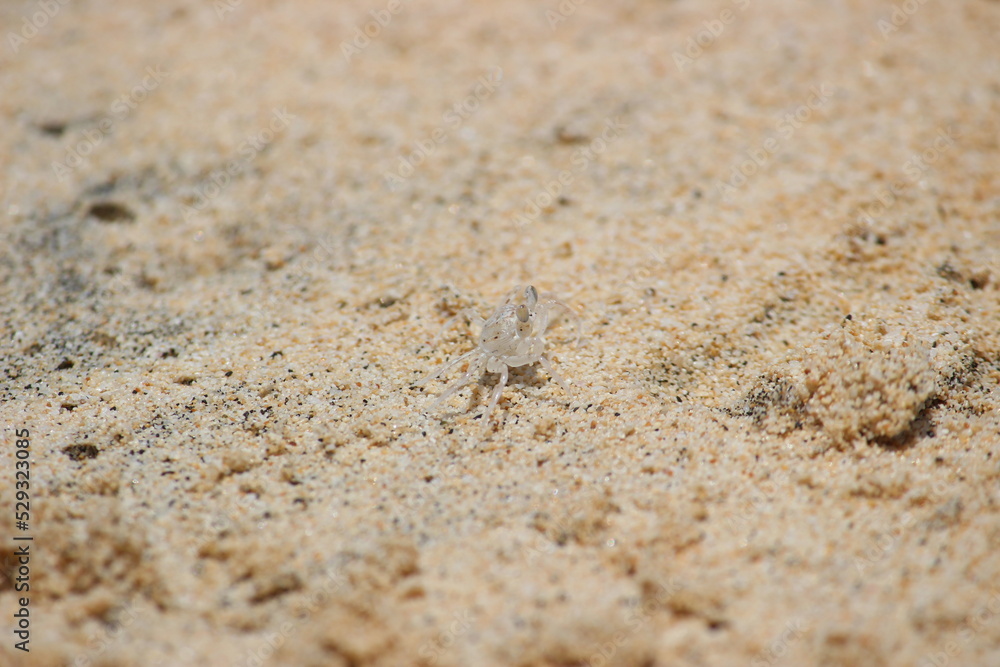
point(514, 335)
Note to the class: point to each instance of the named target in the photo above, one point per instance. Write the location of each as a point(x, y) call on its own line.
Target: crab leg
point(555, 376)
point(473, 373)
point(446, 367)
point(496, 395)
point(470, 313)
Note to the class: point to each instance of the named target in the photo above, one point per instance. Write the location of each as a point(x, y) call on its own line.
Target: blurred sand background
point(232, 231)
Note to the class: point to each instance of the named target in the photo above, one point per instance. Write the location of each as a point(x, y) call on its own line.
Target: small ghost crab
point(514, 335)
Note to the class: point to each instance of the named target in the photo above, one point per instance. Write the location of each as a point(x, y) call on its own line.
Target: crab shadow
point(517, 378)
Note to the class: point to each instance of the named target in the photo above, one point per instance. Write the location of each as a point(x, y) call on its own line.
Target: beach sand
point(233, 234)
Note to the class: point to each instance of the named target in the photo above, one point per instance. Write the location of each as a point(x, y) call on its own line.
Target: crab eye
point(531, 296)
point(522, 313)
